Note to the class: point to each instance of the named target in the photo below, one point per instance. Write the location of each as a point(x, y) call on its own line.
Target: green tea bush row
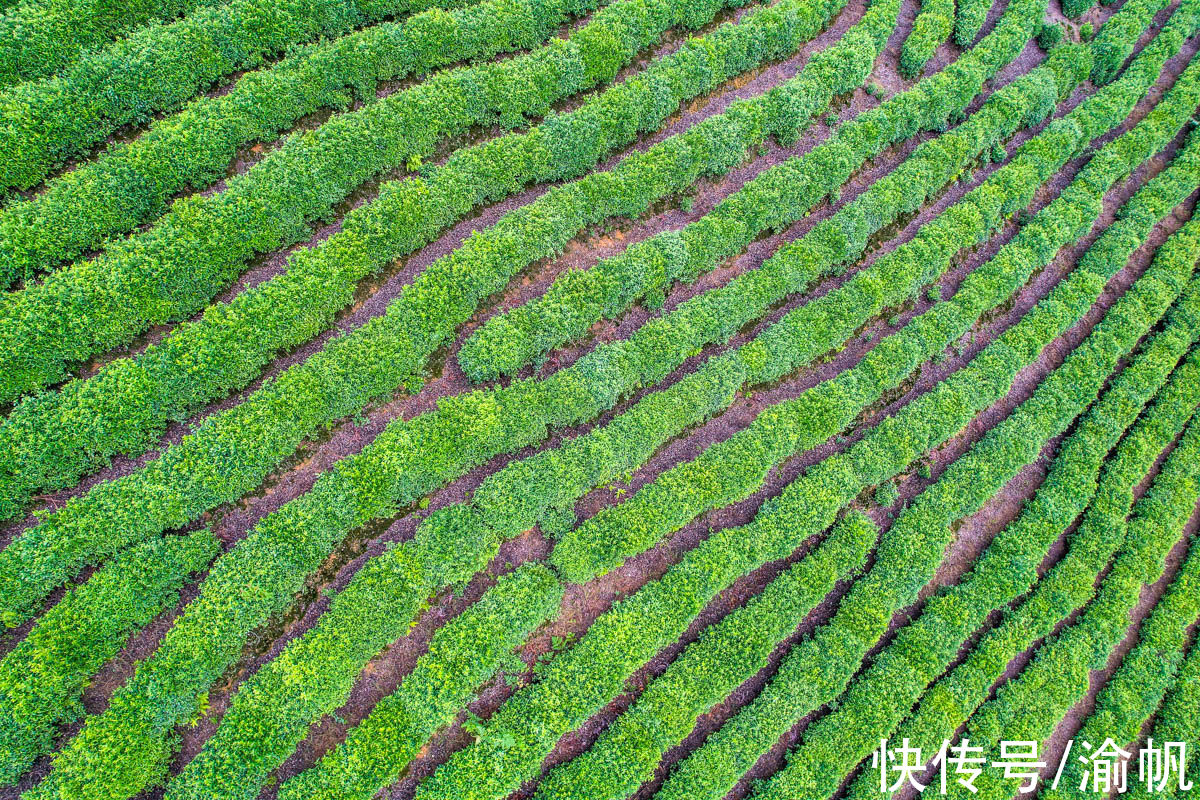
point(1116, 40)
point(724, 656)
point(496, 765)
point(933, 25)
point(743, 461)
point(259, 577)
point(465, 774)
point(203, 242)
point(1177, 720)
point(1029, 706)
point(969, 16)
point(580, 298)
point(132, 183)
point(43, 677)
point(53, 438)
point(130, 741)
point(40, 37)
point(833, 745)
point(519, 736)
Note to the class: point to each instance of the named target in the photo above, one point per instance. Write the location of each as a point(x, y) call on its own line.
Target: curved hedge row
point(724, 656)
point(1068, 492)
point(54, 438)
point(969, 16)
point(772, 200)
point(834, 744)
point(251, 741)
point(578, 298)
point(176, 267)
point(1178, 720)
point(358, 366)
point(465, 653)
point(42, 678)
point(192, 477)
point(730, 753)
point(1115, 41)
point(1129, 698)
point(40, 37)
point(133, 182)
point(1029, 706)
point(577, 684)
point(630, 438)
point(932, 26)
point(788, 598)
point(664, 505)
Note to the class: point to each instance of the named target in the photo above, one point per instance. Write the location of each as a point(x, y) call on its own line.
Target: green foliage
point(771, 201)
point(43, 677)
point(160, 68)
point(203, 242)
point(130, 742)
point(372, 360)
point(273, 710)
point(1116, 39)
point(558, 521)
point(835, 743)
point(932, 26)
point(40, 38)
point(1178, 720)
point(1086, 31)
point(1050, 35)
point(54, 438)
point(581, 681)
point(1068, 491)
point(969, 16)
point(887, 494)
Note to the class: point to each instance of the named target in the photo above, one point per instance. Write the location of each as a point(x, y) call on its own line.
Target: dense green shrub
point(133, 182)
point(203, 242)
point(42, 678)
point(1049, 35)
point(932, 26)
point(835, 743)
point(43, 36)
point(54, 438)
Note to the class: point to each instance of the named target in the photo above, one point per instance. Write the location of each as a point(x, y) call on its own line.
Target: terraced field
point(595, 399)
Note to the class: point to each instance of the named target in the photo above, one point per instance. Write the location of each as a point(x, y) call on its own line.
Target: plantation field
point(598, 399)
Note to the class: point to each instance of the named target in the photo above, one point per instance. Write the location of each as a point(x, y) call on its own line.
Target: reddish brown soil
point(584, 603)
